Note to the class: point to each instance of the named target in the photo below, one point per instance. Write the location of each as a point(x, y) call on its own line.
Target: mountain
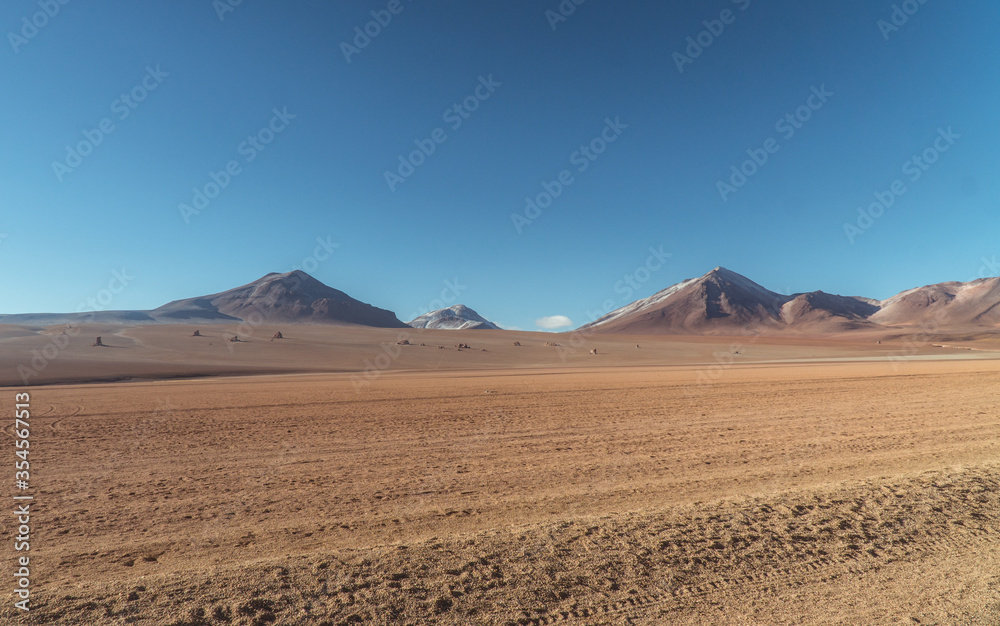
point(293, 297)
point(290, 298)
point(725, 302)
point(458, 317)
point(956, 305)
point(719, 301)
point(90, 317)
point(828, 312)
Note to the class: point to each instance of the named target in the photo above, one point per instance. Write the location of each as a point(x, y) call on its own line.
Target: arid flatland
point(825, 492)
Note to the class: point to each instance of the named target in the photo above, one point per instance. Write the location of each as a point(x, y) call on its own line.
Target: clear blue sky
point(62, 234)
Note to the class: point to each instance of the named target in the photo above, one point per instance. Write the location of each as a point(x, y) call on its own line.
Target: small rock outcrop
point(196, 333)
point(277, 335)
point(98, 343)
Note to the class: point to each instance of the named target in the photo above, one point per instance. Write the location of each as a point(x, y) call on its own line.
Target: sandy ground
point(801, 481)
point(38, 356)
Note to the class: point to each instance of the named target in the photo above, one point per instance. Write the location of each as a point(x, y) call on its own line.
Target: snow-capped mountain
point(720, 302)
point(457, 317)
point(723, 301)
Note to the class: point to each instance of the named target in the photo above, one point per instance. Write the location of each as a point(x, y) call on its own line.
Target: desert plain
point(337, 477)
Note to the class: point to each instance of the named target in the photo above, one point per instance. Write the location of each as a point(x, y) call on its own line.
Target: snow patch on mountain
point(457, 317)
point(638, 305)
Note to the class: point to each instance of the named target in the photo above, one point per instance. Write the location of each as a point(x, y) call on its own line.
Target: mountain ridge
point(719, 302)
point(723, 301)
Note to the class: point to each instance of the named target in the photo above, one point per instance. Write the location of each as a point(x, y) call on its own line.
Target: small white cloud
point(553, 322)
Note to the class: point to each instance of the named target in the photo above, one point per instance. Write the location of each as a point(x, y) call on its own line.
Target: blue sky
point(532, 91)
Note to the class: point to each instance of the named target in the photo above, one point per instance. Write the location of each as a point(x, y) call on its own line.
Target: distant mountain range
point(458, 317)
point(720, 302)
point(290, 298)
point(724, 302)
